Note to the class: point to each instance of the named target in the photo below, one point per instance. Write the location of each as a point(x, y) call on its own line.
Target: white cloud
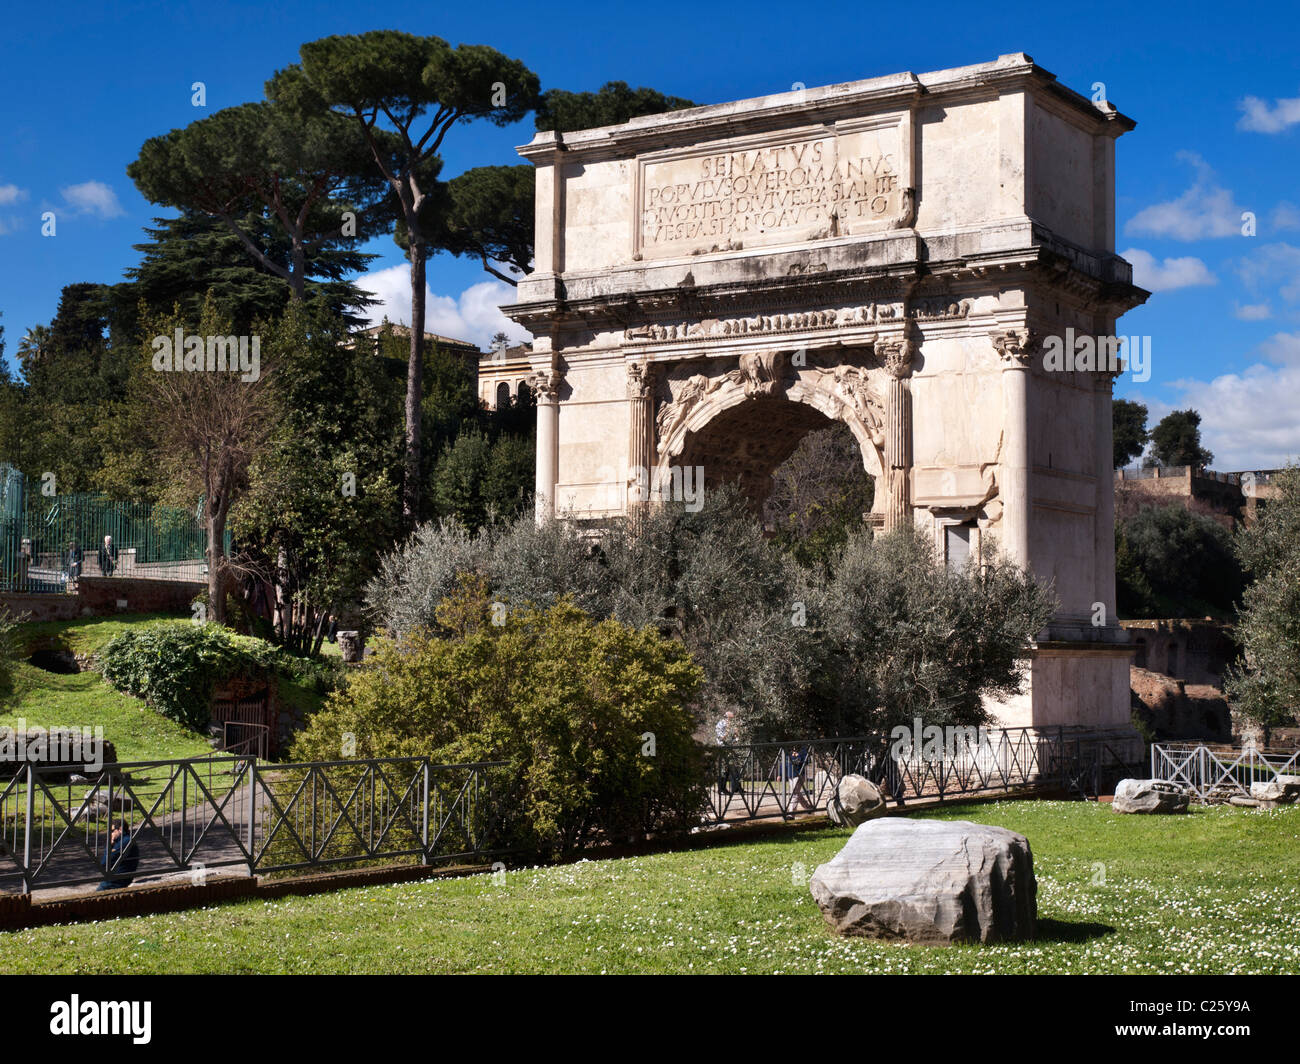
point(1249, 419)
point(1252, 312)
point(1282, 348)
point(1257, 116)
point(1286, 216)
point(10, 195)
point(1272, 266)
point(474, 315)
point(1167, 274)
point(92, 197)
point(1206, 209)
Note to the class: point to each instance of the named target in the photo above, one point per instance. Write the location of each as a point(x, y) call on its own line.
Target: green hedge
point(175, 667)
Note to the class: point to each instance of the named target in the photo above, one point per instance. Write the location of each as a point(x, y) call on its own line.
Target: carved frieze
point(760, 373)
point(930, 309)
point(767, 373)
point(851, 385)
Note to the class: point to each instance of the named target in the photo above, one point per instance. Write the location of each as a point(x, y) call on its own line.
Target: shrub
point(174, 667)
point(709, 577)
point(900, 635)
point(565, 699)
point(864, 639)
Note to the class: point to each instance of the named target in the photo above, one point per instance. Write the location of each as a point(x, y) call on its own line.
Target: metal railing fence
point(56, 827)
point(759, 781)
point(48, 542)
point(1219, 773)
point(56, 824)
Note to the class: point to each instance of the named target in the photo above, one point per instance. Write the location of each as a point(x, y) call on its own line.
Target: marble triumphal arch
point(892, 254)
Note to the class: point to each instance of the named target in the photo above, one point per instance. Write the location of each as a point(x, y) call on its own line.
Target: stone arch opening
point(745, 439)
point(748, 442)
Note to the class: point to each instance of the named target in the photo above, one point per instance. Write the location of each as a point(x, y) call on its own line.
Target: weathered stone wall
point(99, 596)
point(1195, 651)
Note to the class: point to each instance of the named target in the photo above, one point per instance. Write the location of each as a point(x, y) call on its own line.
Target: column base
point(1079, 684)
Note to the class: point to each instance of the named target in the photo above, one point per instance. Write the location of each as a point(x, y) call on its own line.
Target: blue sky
point(1215, 90)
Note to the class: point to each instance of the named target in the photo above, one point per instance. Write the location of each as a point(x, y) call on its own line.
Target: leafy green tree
point(303, 169)
point(458, 478)
point(478, 477)
point(1265, 686)
point(490, 216)
point(405, 93)
point(70, 389)
point(510, 477)
point(565, 700)
point(34, 346)
point(322, 498)
point(192, 255)
point(1133, 594)
point(615, 103)
point(1185, 559)
point(819, 495)
point(1129, 437)
point(1176, 441)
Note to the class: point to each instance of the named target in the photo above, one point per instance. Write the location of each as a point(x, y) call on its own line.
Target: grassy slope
point(84, 700)
point(1216, 891)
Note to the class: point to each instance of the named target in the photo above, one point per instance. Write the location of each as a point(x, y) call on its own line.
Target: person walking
point(799, 757)
point(726, 732)
point(74, 560)
point(107, 557)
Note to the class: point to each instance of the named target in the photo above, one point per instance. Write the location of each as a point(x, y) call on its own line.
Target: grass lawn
point(1215, 891)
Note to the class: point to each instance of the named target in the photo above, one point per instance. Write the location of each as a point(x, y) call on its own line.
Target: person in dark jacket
point(121, 860)
point(107, 557)
point(75, 555)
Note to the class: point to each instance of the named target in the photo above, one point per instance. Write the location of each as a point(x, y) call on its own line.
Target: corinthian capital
point(640, 380)
point(897, 353)
point(546, 385)
point(1016, 347)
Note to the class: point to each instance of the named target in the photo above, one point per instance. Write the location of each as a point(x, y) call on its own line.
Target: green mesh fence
point(48, 542)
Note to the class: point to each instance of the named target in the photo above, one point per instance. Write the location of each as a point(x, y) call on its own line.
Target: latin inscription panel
point(747, 194)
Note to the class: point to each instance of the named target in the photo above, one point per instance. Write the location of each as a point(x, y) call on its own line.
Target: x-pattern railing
point(1215, 773)
point(785, 779)
point(762, 780)
point(62, 824)
point(330, 813)
point(55, 829)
